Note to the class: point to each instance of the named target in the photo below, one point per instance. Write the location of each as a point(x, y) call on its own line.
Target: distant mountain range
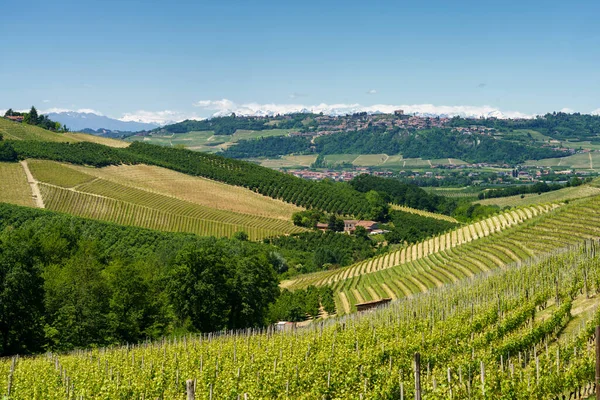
point(78, 121)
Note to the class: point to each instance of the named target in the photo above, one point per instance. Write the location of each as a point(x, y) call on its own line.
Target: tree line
point(34, 118)
point(557, 125)
point(272, 146)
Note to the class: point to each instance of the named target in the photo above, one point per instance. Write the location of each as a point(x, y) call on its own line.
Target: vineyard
point(561, 195)
point(14, 188)
point(522, 332)
point(442, 244)
point(75, 192)
point(424, 213)
point(194, 189)
point(19, 131)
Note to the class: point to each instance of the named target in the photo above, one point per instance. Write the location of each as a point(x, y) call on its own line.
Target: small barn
point(372, 304)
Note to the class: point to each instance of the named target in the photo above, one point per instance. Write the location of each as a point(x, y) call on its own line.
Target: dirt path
point(35, 189)
point(591, 163)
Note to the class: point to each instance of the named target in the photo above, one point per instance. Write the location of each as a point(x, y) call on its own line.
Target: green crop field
point(287, 161)
point(510, 333)
point(57, 174)
point(70, 189)
point(19, 131)
point(207, 140)
point(14, 188)
point(340, 158)
point(366, 160)
point(584, 161)
point(556, 196)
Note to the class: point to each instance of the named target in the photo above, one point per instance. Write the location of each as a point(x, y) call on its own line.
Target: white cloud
point(372, 91)
point(62, 110)
point(157, 117)
point(567, 110)
point(45, 101)
point(226, 107)
point(596, 111)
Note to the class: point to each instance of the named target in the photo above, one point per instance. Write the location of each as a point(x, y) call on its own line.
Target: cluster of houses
point(341, 176)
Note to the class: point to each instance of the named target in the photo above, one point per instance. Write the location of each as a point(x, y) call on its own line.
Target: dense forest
point(313, 251)
point(412, 228)
point(272, 146)
point(432, 144)
point(556, 125)
point(69, 282)
point(404, 194)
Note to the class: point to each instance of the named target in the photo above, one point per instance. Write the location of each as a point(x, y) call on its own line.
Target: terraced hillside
point(564, 226)
point(19, 131)
point(74, 191)
point(414, 252)
point(14, 188)
point(561, 195)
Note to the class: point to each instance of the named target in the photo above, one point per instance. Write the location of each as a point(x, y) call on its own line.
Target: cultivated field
point(206, 140)
point(511, 333)
point(584, 161)
point(424, 213)
point(84, 137)
point(18, 131)
point(456, 238)
point(287, 161)
point(372, 280)
point(556, 196)
point(139, 195)
point(196, 190)
point(384, 160)
point(14, 188)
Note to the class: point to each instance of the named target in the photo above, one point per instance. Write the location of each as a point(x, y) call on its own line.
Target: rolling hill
point(19, 131)
point(114, 196)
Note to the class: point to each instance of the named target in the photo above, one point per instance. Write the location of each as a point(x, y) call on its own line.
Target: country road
point(35, 189)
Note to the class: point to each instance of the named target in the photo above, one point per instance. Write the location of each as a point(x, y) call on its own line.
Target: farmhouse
point(351, 224)
point(16, 118)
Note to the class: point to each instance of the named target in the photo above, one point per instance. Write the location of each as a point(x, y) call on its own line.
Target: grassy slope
point(74, 190)
point(14, 188)
point(194, 189)
point(561, 195)
point(17, 131)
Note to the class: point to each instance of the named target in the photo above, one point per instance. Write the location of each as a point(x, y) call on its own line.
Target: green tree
point(33, 116)
point(21, 294)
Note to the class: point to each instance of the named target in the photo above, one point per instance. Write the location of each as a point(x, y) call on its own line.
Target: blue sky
point(138, 59)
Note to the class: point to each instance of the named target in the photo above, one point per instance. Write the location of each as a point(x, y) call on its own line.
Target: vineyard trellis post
point(417, 376)
point(597, 362)
point(191, 393)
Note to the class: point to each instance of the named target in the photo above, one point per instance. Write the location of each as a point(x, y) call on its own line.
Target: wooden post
point(482, 378)
point(597, 362)
point(417, 376)
point(191, 393)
